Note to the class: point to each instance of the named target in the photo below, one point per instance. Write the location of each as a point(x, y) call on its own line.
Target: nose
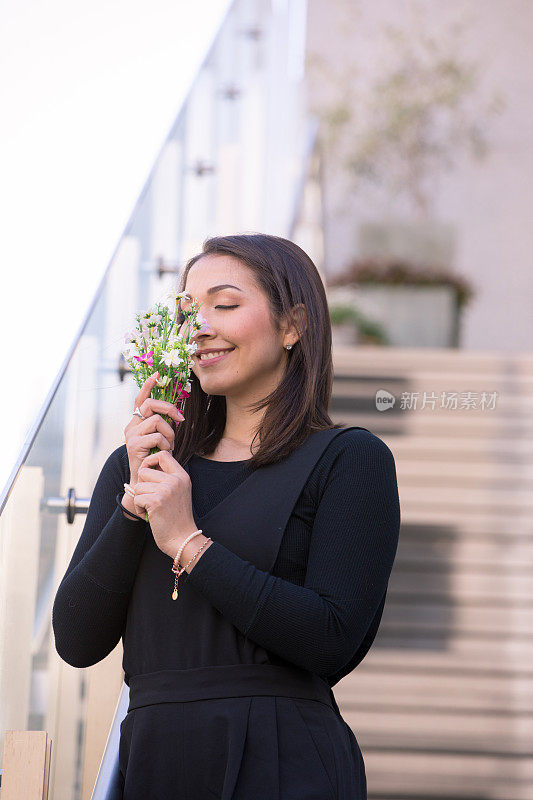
point(205, 330)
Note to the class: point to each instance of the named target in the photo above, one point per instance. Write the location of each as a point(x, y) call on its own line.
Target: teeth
point(205, 356)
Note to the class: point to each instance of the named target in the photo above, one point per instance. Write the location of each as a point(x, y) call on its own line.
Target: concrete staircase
point(442, 706)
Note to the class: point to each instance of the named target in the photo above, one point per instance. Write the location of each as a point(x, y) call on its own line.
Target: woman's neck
point(230, 450)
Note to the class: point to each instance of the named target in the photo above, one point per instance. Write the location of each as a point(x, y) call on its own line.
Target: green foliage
point(396, 273)
point(369, 330)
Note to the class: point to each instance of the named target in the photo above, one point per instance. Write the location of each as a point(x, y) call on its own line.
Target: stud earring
point(288, 346)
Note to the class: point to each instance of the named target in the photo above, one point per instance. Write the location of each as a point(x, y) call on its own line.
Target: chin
point(222, 387)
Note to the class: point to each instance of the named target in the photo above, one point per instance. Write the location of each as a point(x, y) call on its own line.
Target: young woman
point(284, 587)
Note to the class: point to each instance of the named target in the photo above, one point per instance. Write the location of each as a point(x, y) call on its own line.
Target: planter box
point(412, 316)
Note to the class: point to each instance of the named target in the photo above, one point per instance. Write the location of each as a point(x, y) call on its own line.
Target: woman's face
point(238, 318)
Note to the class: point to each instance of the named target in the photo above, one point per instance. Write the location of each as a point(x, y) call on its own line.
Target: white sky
point(88, 93)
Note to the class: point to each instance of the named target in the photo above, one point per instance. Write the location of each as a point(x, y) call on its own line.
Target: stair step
point(471, 693)
point(419, 775)
point(443, 591)
point(433, 424)
point(513, 501)
point(475, 522)
point(438, 731)
point(463, 557)
point(405, 360)
point(491, 475)
point(504, 659)
point(445, 449)
point(443, 393)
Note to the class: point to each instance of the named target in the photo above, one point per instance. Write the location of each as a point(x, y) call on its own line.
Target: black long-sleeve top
point(324, 597)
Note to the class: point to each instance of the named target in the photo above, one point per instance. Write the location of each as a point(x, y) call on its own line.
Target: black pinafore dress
point(232, 725)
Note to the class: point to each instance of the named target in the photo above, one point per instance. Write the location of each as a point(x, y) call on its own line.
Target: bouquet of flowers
point(161, 343)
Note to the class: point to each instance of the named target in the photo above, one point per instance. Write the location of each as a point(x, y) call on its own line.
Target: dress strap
point(252, 519)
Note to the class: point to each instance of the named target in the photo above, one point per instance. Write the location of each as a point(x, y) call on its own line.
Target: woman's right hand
point(154, 431)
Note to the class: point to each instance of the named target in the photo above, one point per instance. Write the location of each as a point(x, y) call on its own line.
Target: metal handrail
point(108, 784)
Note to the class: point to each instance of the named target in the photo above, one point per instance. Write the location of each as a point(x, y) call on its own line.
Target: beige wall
point(490, 204)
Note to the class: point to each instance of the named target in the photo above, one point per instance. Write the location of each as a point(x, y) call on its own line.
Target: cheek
point(252, 327)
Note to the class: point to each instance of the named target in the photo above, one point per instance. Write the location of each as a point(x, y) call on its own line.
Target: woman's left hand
point(165, 493)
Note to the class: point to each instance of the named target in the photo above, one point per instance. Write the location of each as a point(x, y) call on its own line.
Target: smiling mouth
point(210, 359)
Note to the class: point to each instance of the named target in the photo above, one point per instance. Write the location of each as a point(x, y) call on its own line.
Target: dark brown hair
point(299, 404)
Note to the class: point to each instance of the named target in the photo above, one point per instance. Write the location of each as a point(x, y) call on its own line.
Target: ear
point(298, 321)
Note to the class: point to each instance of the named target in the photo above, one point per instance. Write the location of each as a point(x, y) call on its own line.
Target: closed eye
point(226, 306)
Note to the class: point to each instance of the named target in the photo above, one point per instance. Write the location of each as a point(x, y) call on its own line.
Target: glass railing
point(240, 156)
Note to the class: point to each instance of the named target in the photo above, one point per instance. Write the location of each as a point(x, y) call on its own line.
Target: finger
point(155, 423)
point(152, 476)
point(161, 406)
point(163, 459)
point(146, 487)
point(146, 389)
point(140, 500)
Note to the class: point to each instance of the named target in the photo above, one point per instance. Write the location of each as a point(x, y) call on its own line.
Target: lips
point(206, 361)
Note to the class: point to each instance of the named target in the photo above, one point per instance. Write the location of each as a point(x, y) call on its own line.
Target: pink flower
point(146, 358)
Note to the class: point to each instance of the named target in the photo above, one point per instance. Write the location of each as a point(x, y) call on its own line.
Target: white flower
point(129, 351)
point(172, 358)
point(131, 336)
point(170, 298)
point(162, 381)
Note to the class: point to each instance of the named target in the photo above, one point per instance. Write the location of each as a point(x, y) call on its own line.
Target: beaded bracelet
point(176, 569)
point(126, 511)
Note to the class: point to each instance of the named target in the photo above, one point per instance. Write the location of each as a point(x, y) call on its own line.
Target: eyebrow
point(221, 286)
